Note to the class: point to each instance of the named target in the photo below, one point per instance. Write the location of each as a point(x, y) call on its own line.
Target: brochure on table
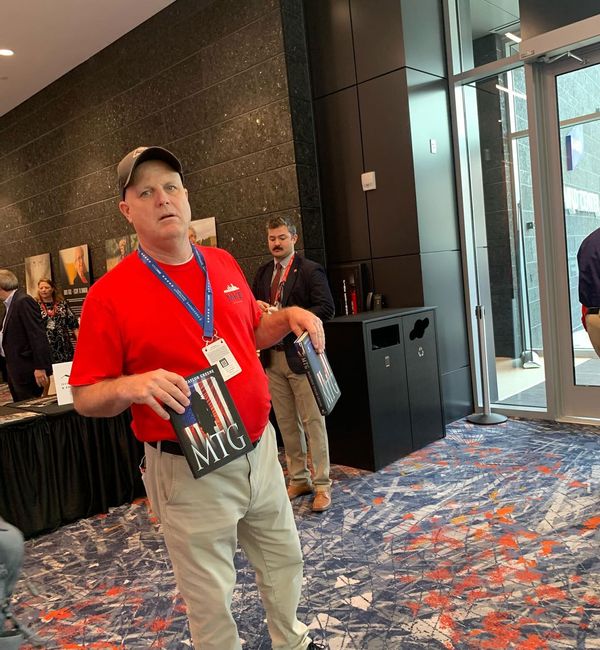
point(62, 372)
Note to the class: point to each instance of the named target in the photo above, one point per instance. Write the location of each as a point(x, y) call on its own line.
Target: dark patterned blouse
point(60, 321)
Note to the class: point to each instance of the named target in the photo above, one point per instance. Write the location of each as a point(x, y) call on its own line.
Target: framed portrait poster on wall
point(203, 231)
point(75, 278)
point(118, 248)
point(36, 268)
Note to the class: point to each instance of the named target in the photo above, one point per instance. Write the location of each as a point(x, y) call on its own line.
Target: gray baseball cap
point(129, 164)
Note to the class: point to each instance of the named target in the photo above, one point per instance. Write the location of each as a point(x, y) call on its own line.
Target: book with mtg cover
point(210, 431)
point(320, 376)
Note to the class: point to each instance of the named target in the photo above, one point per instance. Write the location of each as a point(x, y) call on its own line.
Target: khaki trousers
point(299, 419)
point(592, 322)
point(202, 522)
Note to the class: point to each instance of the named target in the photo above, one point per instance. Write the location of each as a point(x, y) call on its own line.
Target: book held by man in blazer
point(210, 431)
point(320, 375)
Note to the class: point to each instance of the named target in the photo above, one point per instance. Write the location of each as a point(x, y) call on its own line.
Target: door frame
point(565, 400)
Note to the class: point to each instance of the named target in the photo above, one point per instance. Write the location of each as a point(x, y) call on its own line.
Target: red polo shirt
point(132, 323)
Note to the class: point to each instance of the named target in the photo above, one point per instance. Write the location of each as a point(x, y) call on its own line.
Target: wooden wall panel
point(329, 33)
point(340, 159)
point(378, 41)
point(387, 148)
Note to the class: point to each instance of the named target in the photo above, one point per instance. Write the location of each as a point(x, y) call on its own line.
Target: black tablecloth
point(59, 466)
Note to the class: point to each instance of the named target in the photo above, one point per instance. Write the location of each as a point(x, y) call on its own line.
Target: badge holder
point(218, 354)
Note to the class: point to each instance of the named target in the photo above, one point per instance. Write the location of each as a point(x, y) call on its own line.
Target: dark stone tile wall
point(303, 128)
point(499, 217)
point(209, 80)
point(495, 219)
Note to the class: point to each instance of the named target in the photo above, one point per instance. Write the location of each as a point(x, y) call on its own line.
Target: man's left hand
point(41, 378)
point(301, 320)
point(276, 324)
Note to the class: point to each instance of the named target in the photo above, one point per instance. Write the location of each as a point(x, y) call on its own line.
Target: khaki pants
point(592, 322)
point(299, 418)
point(202, 522)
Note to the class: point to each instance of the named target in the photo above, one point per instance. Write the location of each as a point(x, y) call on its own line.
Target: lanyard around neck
point(279, 292)
point(206, 321)
point(49, 312)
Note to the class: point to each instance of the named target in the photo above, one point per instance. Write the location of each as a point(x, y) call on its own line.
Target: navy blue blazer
point(306, 286)
point(24, 339)
point(588, 260)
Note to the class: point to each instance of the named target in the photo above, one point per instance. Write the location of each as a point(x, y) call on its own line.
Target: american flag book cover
point(320, 376)
point(210, 431)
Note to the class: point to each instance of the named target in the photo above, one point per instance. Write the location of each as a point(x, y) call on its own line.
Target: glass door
point(505, 224)
point(572, 107)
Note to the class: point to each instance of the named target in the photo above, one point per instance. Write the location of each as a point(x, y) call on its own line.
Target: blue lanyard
point(205, 321)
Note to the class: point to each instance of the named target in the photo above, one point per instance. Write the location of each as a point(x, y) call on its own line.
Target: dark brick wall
point(209, 81)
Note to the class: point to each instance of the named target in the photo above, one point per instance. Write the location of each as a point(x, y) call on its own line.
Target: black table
point(57, 466)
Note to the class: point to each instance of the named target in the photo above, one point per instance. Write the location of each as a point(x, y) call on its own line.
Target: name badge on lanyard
point(216, 350)
point(218, 354)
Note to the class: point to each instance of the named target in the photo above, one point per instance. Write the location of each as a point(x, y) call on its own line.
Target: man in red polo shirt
point(134, 349)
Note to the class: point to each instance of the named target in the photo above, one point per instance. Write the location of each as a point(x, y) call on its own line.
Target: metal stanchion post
point(487, 417)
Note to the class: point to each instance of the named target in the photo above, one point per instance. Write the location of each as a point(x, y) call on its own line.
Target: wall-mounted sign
point(574, 147)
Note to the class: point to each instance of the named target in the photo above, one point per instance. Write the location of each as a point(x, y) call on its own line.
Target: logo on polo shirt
point(233, 293)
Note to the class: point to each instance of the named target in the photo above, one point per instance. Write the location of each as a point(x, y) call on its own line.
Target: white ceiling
point(490, 15)
point(51, 37)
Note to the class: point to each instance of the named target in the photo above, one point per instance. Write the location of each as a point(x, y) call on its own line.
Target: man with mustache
point(293, 280)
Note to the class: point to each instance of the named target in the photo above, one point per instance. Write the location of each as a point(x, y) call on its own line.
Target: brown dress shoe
point(295, 490)
point(322, 501)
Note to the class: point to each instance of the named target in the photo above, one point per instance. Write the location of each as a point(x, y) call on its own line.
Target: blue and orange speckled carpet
point(486, 539)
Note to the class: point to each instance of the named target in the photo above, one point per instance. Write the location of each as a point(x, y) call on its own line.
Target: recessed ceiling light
point(513, 37)
point(6, 52)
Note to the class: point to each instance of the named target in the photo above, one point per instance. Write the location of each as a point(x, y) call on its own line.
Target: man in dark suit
point(293, 280)
point(588, 260)
point(24, 345)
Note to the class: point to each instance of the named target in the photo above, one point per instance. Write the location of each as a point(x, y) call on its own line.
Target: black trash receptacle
point(391, 401)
